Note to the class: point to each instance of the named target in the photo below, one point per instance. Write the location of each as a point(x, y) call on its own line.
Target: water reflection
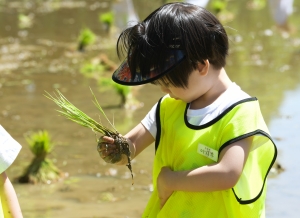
point(284, 191)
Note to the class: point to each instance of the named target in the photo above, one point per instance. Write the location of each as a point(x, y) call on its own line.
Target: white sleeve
point(149, 121)
point(9, 149)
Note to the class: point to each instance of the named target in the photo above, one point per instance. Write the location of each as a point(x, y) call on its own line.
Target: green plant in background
point(122, 91)
point(25, 21)
point(41, 169)
point(170, 1)
point(86, 37)
point(90, 69)
point(218, 5)
point(219, 8)
point(256, 4)
point(107, 19)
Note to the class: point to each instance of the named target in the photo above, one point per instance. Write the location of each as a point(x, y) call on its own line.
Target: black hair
point(174, 26)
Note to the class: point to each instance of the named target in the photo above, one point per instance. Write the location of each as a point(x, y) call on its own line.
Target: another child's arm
point(9, 200)
point(138, 138)
point(215, 177)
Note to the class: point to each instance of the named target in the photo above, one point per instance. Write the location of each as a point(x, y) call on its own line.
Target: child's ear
point(203, 67)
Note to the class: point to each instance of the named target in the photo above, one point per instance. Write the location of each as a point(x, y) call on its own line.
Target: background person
point(9, 149)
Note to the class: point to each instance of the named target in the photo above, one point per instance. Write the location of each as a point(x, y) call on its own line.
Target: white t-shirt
point(9, 149)
point(201, 116)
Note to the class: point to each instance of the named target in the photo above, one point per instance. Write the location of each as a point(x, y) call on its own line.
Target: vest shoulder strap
point(158, 125)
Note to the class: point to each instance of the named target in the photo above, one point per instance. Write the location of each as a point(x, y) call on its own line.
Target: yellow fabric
point(1, 211)
point(179, 149)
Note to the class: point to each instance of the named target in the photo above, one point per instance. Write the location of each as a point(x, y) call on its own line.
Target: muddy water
point(40, 54)
point(284, 191)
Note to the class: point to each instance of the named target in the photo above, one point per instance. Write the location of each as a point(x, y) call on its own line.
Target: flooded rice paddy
point(38, 53)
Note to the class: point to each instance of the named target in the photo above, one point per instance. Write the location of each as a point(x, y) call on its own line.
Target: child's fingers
point(106, 139)
point(108, 149)
point(110, 156)
point(108, 152)
point(105, 146)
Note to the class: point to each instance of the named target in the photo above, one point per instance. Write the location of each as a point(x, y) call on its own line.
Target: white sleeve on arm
point(9, 149)
point(149, 122)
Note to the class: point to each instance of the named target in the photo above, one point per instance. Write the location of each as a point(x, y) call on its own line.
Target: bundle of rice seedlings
point(71, 112)
point(41, 169)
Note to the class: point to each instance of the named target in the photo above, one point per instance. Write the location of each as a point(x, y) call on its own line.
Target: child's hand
point(163, 188)
point(108, 151)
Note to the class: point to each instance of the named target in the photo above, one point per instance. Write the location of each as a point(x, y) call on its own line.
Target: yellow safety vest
point(182, 146)
point(1, 211)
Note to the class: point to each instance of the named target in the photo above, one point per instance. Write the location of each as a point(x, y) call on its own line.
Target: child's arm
point(215, 177)
point(9, 200)
point(138, 138)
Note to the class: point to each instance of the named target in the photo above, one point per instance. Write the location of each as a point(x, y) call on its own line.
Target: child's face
point(197, 87)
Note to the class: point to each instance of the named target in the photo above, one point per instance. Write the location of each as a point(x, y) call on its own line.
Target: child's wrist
point(174, 180)
point(171, 180)
point(131, 148)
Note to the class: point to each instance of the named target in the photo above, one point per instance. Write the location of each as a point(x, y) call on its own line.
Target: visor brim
point(123, 75)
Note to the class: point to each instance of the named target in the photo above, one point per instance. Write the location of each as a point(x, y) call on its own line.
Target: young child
point(213, 148)
point(9, 149)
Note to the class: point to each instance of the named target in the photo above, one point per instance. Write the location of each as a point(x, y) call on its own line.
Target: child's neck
point(220, 84)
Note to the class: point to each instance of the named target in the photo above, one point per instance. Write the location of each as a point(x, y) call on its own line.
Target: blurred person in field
point(9, 149)
point(281, 10)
